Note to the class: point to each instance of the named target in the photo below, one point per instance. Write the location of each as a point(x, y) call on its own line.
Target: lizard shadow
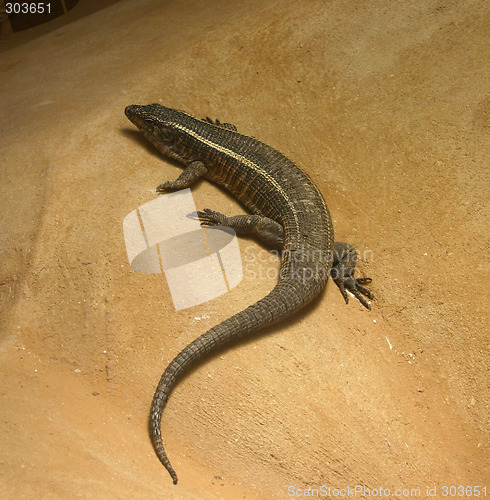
point(137, 137)
point(275, 329)
point(142, 141)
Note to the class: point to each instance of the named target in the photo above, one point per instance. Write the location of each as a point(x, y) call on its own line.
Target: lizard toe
point(210, 217)
point(355, 286)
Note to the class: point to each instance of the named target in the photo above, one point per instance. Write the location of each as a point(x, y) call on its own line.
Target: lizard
point(288, 212)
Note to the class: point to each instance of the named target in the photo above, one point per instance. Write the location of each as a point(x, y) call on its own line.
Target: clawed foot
point(267, 230)
point(342, 273)
point(210, 217)
point(192, 172)
point(228, 126)
point(355, 286)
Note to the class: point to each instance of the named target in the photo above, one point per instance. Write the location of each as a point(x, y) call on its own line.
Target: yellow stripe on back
point(246, 161)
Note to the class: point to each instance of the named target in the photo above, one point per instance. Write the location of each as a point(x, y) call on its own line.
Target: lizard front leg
point(189, 176)
point(267, 230)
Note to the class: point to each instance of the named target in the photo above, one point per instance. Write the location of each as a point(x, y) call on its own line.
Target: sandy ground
point(386, 106)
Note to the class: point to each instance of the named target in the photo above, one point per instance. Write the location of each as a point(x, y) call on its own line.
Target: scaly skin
point(289, 213)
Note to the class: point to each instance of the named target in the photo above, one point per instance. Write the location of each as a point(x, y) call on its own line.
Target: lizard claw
point(342, 273)
point(210, 217)
point(355, 286)
point(166, 186)
point(228, 126)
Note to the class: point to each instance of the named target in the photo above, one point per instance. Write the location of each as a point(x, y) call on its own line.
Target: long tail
point(285, 299)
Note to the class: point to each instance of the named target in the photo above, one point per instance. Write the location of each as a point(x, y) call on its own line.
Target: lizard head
point(160, 125)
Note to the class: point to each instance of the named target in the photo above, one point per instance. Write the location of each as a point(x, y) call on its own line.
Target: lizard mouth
point(133, 113)
point(145, 121)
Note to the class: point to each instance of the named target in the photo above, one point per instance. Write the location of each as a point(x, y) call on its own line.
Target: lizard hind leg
point(342, 273)
point(267, 230)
